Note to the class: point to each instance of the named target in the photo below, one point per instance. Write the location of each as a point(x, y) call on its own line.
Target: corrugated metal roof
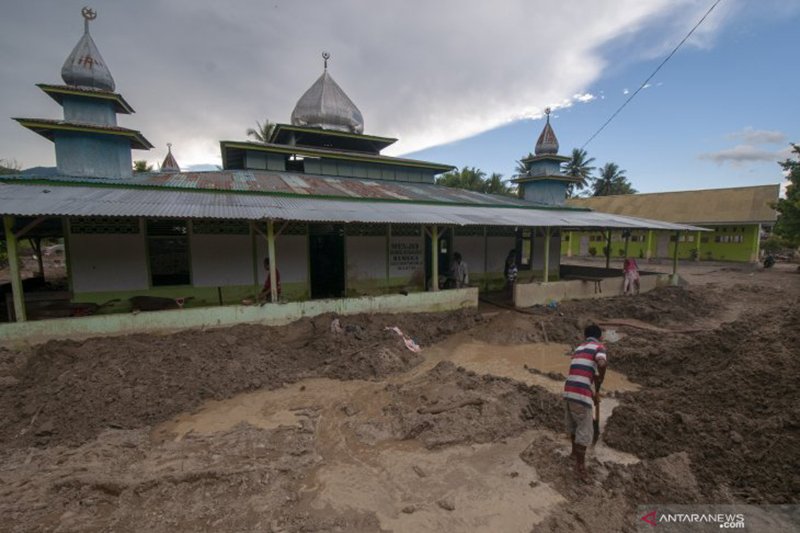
point(48, 200)
point(710, 206)
point(264, 181)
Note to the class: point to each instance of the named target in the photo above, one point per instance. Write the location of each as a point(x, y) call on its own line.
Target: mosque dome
point(325, 105)
point(85, 66)
point(547, 143)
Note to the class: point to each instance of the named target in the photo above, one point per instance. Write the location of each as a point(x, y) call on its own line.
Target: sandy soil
point(302, 428)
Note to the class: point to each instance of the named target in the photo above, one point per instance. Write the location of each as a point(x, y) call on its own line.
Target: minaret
point(88, 141)
point(169, 164)
point(543, 181)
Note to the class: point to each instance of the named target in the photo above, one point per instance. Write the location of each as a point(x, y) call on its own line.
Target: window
point(168, 252)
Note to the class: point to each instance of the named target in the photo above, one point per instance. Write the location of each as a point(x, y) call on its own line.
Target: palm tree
point(494, 184)
point(612, 180)
point(262, 132)
point(579, 167)
point(521, 168)
point(469, 178)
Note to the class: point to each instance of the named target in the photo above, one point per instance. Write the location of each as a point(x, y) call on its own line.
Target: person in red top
point(266, 292)
point(630, 272)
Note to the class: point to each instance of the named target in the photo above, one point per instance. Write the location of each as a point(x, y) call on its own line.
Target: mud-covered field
point(310, 427)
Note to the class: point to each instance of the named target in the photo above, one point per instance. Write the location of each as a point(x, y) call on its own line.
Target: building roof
point(85, 66)
point(305, 136)
point(169, 163)
point(325, 105)
point(234, 148)
point(547, 144)
point(47, 128)
point(43, 199)
point(710, 206)
point(58, 92)
point(282, 184)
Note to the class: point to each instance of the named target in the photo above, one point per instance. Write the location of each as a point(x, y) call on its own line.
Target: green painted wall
point(725, 243)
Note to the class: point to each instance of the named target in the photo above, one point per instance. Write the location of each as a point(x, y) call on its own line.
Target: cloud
point(743, 154)
point(625, 91)
point(198, 71)
point(749, 135)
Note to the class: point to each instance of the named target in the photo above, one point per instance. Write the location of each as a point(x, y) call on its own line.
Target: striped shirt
point(582, 369)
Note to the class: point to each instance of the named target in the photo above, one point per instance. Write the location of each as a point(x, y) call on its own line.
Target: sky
point(457, 81)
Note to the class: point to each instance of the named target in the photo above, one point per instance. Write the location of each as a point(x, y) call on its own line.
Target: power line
point(650, 77)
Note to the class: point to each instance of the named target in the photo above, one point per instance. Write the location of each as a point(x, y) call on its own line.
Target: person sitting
point(630, 273)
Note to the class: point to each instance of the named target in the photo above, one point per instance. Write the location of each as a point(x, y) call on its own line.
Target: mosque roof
point(47, 128)
point(325, 105)
point(85, 67)
point(169, 163)
point(58, 92)
point(547, 143)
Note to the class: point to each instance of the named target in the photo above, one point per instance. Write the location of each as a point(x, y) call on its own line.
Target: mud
point(300, 428)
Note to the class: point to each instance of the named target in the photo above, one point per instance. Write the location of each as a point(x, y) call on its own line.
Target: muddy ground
point(309, 428)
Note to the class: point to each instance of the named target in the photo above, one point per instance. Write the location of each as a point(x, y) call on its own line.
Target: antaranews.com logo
point(722, 520)
point(666, 518)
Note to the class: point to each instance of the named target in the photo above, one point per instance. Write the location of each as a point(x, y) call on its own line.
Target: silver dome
point(547, 142)
point(85, 66)
point(325, 105)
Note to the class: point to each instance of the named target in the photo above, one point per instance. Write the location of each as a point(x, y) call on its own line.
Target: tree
point(262, 132)
point(579, 166)
point(142, 166)
point(474, 179)
point(521, 169)
point(469, 178)
point(9, 166)
point(788, 224)
point(494, 184)
point(612, 180)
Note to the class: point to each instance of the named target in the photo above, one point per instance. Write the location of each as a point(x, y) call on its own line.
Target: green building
point(738, 218)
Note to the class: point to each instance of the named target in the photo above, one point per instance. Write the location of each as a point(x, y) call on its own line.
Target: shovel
point(596, 435)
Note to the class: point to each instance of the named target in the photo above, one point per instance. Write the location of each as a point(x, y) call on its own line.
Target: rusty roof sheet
point(43, 199)
point(288, 183)
point(710, 206)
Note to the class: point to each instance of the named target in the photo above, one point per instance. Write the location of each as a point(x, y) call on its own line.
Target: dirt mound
point(449, 405)
point(724, 396)
point(609, 504)
point(67, 392)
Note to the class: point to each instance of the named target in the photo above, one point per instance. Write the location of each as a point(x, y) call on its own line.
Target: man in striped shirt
point(588, 367)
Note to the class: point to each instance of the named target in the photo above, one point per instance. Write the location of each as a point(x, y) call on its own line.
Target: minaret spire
point(88, 14)
point(325, 57)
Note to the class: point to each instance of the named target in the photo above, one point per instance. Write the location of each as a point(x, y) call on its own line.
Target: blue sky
point(717, 115)
point(457, 81)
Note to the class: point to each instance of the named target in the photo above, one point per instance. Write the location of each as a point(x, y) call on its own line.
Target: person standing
point(266, 292)
point(630, 273)
point(587, 368)
point(459, 272)
point(510, 271)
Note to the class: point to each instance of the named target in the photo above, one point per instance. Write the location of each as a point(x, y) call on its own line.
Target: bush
point(592, 251)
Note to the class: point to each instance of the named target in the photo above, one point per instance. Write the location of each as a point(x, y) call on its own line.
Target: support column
point(435, 258)
point(546, 254)
point(273, 266)
point(647, 254)
point(698, 235)
point(675, 258)
point(627, 241)
point(756, 245)
point(13, 269)
point(608, 249)
point(570, 236)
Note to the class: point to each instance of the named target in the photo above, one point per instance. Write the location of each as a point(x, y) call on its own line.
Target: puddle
point(510, 361)
point(265, 409)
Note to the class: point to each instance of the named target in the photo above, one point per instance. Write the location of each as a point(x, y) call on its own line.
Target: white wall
point(498, 248)
point(292, 252)
point(107, 262)
point(407, 258)
point(538, 253)
point(472, 249)
point(221, 260)
point(366, 257)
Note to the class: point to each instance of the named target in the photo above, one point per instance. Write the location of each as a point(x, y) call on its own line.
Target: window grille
point(469, 231)
point(100, 225)
point(220, 227)
point(406, 230)
point(371, 230)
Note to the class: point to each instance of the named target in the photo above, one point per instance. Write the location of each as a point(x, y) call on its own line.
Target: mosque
point(343, 226)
